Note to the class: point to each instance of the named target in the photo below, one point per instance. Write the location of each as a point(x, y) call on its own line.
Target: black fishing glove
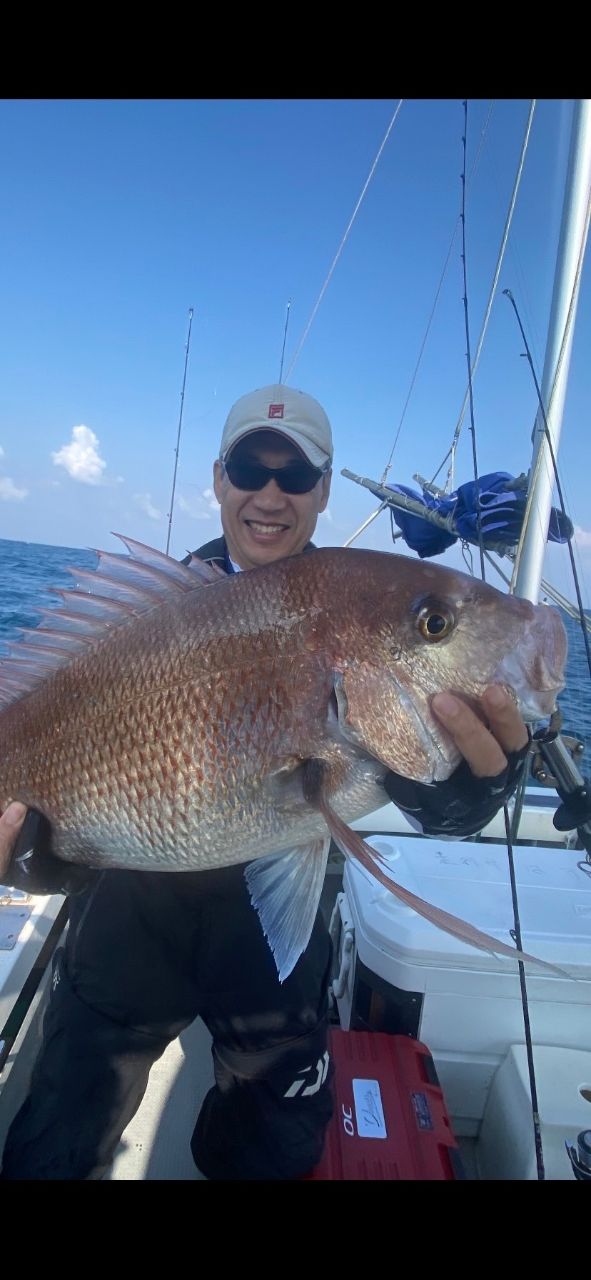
point(34, 868)
point(463, 804)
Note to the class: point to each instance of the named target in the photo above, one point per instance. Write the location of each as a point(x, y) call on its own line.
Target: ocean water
point(29, 569)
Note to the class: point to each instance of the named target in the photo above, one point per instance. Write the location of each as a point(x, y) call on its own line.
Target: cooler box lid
point(471, 880)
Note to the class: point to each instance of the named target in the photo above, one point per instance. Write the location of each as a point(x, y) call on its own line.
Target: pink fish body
point(163, 717)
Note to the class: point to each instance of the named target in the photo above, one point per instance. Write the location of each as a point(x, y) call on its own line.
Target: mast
point(571, 249)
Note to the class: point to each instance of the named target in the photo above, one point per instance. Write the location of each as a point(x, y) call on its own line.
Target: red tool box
point(390, 1120)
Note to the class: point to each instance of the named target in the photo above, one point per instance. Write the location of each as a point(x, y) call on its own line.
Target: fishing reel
point(540, 767)
point(554, 764)
point(580, 1156)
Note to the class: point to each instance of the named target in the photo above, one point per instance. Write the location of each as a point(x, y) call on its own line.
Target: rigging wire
point(567, 327)
point(178, 436)
point(434, 307)
point(343, 242)
point(500, 258)
point(508, 221)
point(541, 435)
point(368, 522)
point(514, 255)
point(547, 589)
point(284, 337)
point(468, 358)
point(388, 464)
point(529, 508)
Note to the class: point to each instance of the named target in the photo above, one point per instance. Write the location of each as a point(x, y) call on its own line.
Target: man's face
point(267, 524)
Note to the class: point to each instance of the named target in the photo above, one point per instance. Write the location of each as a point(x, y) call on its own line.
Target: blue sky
point(120, 215)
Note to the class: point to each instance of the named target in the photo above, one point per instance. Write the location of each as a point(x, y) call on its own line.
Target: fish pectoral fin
point(285, 889)
point(353, 846)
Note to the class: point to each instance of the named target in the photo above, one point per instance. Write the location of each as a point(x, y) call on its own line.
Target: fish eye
point(434, 622)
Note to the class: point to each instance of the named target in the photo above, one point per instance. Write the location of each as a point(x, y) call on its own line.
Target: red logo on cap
point(276, 410)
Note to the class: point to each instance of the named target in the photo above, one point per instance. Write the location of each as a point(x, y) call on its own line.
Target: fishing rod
point(178, 436)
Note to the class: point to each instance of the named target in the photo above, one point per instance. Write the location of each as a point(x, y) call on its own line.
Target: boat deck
point(156, 1144)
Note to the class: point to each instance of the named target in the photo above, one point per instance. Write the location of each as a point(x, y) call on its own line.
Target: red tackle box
point(390, 1120)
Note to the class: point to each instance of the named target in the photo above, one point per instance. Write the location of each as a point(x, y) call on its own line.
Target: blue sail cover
point(502, 509)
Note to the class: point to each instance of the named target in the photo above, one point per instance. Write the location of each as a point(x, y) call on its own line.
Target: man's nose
point(271, 496)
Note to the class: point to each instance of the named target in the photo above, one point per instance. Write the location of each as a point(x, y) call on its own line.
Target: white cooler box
point(400, 973)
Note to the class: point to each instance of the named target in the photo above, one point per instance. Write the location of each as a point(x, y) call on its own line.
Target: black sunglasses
point(295, 477)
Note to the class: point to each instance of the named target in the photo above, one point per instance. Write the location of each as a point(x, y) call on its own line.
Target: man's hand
point(494, 755)
point(483, 748)
point(11, 822)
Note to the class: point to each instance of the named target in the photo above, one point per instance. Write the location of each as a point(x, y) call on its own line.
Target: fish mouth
point(533, 704)
point(534, 670)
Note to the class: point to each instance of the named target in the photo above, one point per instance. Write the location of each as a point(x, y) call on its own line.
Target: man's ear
point(325, 491)
point(218, 479)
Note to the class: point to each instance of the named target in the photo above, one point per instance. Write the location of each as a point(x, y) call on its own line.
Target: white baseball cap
point(282, 409)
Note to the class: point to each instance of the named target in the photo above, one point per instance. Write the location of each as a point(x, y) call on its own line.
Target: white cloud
point(327, 515)
point(144, 502)
point(193, 507)
point(1, 451)
point(81, 457)
point(582, 538)
point(9, 491)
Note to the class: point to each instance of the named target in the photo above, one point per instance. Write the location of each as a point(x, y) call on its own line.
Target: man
point(147, 952)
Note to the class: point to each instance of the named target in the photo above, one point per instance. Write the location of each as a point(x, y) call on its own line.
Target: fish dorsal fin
point(103, 599)
point(158, 560)
point(172, 568)
point(205, 572)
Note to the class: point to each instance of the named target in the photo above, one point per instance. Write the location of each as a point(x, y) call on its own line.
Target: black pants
point(145, 954)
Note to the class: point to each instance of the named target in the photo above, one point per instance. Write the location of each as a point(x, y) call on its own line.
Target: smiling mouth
point(258, 527)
